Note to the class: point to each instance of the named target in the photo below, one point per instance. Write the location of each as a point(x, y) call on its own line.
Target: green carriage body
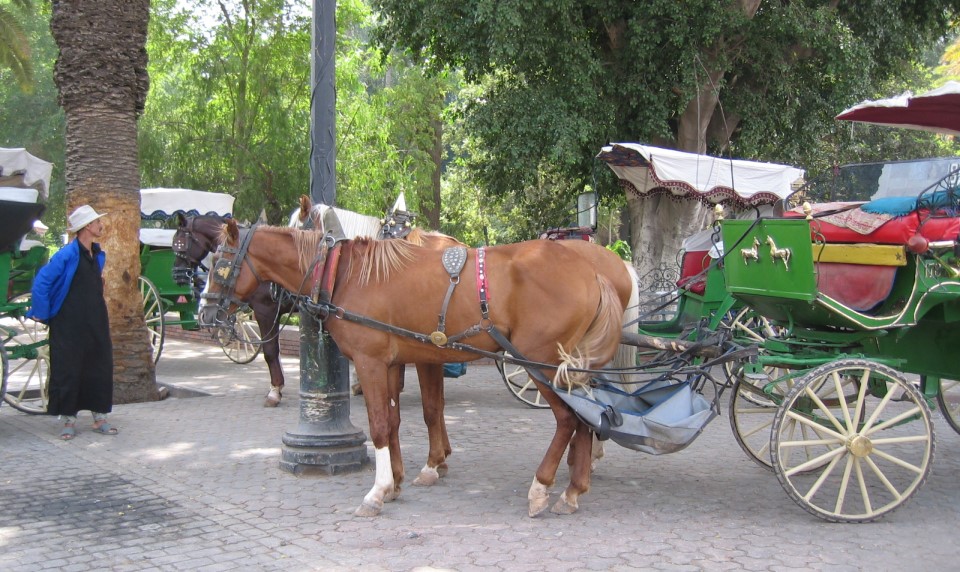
point(167, 303)
point(156, 265)
point(914, 329)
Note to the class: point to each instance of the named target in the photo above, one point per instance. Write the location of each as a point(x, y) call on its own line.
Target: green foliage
point(33, 119)
point(622, 249)
point(15, 42)
point(230, 108)
point(557, 79)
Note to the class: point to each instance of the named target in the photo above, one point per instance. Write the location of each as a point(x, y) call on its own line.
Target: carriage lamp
point(718, 212)
point(808, 210)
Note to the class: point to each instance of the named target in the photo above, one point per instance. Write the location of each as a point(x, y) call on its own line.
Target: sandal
point(68, 432)
point(105, 429)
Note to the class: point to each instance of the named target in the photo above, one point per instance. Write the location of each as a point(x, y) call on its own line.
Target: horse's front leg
point(380, 394)
point(267, 316)
point(431, 394)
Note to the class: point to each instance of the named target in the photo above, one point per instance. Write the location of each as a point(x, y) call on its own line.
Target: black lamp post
point(324, 441)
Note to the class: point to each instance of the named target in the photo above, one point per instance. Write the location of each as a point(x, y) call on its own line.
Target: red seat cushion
point(694, 262)
point(894, 231)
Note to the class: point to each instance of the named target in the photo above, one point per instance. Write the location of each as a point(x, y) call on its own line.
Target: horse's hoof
point(273, 398)
point(537, 506)
point(427, 477)
point(367, 510)
point(563, 507)
point(538, 498)
point(442, 470)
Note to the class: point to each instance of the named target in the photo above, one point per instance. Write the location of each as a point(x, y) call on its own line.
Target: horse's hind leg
point(578, 459)
point(431, 393)
point(538, 496)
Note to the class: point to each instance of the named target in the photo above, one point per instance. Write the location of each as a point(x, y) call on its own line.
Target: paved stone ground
point(194, 484)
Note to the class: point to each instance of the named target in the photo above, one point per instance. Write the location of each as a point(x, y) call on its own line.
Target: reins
point(323, 308)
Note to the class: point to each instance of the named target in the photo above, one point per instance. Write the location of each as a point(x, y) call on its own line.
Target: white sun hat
point(81, 217)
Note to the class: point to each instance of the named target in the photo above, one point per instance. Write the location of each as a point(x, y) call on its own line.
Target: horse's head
point(232, 279)
point(247, 258)
point(195, 238)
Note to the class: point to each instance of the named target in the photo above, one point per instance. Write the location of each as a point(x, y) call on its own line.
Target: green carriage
point(166, 303)
point(865, 300)
point(24, 362)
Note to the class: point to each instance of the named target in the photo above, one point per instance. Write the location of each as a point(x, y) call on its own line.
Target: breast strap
point(453, 260)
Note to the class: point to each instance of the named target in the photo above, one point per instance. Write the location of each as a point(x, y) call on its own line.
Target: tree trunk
point(102, 81)
point(431, 208)
point(658, 225)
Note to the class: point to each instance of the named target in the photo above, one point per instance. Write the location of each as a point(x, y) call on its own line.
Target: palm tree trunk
point(102, 80)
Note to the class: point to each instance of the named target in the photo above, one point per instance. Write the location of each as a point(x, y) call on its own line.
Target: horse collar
point(325, 270)
point(483, 289)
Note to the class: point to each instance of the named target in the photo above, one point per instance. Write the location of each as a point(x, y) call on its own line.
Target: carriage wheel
point(153, 316)
point(3, 373)
point(753, 404)
point(877, 445)
point(242, 345)
point(948, 401)
point(520, 384)
point(27, 364)
point(756, 399)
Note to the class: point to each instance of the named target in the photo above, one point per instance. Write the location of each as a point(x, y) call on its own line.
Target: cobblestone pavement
point(194, 484)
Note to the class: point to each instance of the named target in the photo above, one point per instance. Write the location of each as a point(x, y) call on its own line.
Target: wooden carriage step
point(869, 254)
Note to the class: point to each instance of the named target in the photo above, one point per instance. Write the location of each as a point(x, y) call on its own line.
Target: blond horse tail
point(598, 343)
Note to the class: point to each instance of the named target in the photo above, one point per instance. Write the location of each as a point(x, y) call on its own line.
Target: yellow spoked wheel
point(243, 344)
point(153, 315)
point(26, 367)
point(520, 385)
point(948, 401)
point(754, 401)
point(860, 457)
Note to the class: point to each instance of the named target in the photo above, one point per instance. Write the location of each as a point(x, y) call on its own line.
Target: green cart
point(865, 300)
point(166, 303)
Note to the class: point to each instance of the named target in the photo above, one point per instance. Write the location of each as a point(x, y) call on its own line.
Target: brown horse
point(195, 238)
point(546, 299)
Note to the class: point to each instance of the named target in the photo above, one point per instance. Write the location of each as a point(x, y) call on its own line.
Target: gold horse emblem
point(749, 254)
point(779, 253)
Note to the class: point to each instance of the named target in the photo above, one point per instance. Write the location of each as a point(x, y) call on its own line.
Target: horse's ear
point(305, 205)
point(233, 233)
point(181, 220)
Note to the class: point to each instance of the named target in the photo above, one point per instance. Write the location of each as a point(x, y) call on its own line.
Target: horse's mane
point(378, 258)
point(422, 237)
point(305, 241)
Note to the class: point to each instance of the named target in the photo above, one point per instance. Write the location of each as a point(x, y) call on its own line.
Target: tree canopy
point(750, 78)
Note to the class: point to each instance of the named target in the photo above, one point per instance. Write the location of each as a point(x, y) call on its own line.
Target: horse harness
point(226, 271)
point(453, 260)
point(181, 248)
point(322, 274)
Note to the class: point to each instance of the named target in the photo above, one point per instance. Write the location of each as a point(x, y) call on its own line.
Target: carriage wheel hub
point(859, 446)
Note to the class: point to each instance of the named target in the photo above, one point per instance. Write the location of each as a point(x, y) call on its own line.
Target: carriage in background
point(166, 301)
point(24, 362)
point(861, 283)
